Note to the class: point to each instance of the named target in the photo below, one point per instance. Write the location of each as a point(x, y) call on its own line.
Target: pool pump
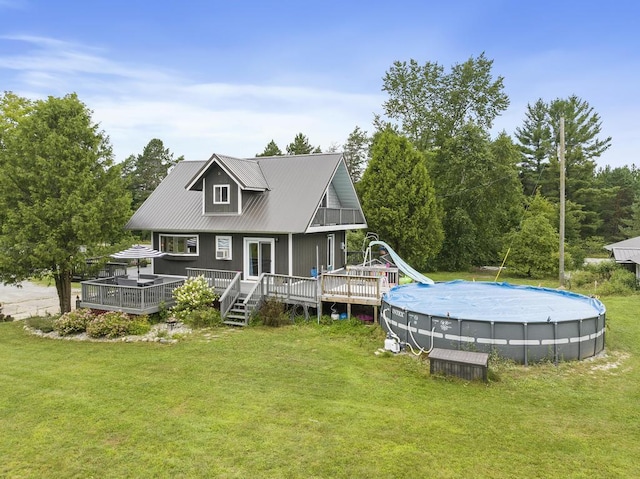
point(391, 344)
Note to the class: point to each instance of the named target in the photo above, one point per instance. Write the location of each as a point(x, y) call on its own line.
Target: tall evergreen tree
point(144, 172)
point(356, 149)
point(272, 149)
point(535, 140)
point(398, 199)
point(301, 146)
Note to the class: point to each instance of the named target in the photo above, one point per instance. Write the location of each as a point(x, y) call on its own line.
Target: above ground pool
point(523, 323)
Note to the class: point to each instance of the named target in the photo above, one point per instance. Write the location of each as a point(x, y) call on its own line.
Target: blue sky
point(227, 77)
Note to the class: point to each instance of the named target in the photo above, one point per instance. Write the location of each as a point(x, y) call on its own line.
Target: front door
point(259, 257)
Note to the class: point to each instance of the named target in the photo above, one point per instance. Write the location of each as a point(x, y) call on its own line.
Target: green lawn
point(310, 401)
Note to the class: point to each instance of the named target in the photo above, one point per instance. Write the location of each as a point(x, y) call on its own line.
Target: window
point(220, 194)
point(223, 247)
point(331, 252)
point(179, 244)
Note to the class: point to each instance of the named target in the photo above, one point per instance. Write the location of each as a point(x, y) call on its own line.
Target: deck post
point(349, 310)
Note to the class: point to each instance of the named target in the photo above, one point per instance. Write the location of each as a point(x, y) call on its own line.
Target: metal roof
point(626, 255)
point(631, 243)
point(296, 184)
point(247, 173)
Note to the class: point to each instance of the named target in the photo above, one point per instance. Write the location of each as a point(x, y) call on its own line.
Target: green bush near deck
point(115, 324)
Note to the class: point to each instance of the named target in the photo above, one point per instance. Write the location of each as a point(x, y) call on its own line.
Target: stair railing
point(230, 295)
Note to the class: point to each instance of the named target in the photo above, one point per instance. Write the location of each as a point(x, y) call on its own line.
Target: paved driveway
point(31, 300)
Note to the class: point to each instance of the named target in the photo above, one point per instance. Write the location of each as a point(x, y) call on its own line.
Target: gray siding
point(332, 198)
point(304, 252)
point(217, 176)
point(207, 255)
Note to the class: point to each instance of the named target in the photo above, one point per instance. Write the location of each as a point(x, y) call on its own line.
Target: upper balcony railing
point(338, 216)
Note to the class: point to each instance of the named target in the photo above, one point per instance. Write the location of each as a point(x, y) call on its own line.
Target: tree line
point(433, 182)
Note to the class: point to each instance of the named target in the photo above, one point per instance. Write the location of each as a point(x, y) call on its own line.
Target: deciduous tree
point(59, 191)
point(433, 106)
point(477, 180)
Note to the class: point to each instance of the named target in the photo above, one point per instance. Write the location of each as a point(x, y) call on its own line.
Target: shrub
point(4, 317)
point(73, 322)
point(41, 323)
point(114, 324)
point(194, 294)
point(621, 282)
point(271, 313)
point(205, 317)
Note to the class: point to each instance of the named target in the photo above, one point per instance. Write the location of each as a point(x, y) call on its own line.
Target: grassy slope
point(310, 401)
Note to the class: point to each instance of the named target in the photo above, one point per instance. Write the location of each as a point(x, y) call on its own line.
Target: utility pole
point(562, 199)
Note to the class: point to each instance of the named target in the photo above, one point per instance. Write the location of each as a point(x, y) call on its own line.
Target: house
point(627, 253)
point(284, 215)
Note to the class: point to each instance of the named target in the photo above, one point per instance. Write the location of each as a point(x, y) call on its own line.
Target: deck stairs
point(237, 313)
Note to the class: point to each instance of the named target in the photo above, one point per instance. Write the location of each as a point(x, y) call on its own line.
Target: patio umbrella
point(138, 252)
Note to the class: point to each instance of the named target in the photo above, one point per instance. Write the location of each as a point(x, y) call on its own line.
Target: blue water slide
point(402, 265)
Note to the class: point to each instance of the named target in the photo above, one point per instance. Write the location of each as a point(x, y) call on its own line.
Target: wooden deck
point(107, 295)
point(358, 285)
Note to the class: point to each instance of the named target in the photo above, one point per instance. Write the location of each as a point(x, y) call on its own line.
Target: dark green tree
point(582, 126)
point(539, 139)
point(301, 146)
point(432, 106)
point(535, 140)
point(532, 247)
point(356, 149)
point(272, 149)
point(477, 180)
point(398, 199)
point(144, 172)
point(59, 191)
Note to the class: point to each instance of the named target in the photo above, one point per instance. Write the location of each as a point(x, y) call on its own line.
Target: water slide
point(401, 264)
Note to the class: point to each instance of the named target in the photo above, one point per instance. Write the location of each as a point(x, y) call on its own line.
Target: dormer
point(225, 183)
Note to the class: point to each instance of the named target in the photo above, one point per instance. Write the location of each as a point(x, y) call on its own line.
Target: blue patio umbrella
point(138, 252)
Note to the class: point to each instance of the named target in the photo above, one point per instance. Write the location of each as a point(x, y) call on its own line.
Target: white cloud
point(134, 104)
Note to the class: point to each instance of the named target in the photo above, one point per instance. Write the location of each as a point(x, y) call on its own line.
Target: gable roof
point(632, 243)
point(296, 185)
point(627, 251)
point(247, 173)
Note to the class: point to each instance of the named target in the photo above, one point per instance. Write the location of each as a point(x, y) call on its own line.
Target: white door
point(259, 254)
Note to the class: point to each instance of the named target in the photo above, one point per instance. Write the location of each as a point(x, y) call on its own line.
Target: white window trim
point(219, 250)
point(331, 252)
point(197, 237)
point(247, 241)
point(221, 188)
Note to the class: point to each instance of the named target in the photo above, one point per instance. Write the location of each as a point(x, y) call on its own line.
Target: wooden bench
point(463, 364)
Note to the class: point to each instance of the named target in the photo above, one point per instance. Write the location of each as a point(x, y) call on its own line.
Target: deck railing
point(217, 278)
point(291, 288)
point(107, 294)
point(389, 272)
point(337, 216)
point(231, 294)
point(349, 286)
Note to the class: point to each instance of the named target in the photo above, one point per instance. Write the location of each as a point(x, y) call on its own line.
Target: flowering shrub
point(193, 295)
point(73, 322)
point(115, 324)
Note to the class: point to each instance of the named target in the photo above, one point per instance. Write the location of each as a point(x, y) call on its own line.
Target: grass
point(311, 401)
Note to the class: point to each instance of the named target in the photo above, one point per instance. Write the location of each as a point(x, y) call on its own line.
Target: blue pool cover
point(504, 302)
